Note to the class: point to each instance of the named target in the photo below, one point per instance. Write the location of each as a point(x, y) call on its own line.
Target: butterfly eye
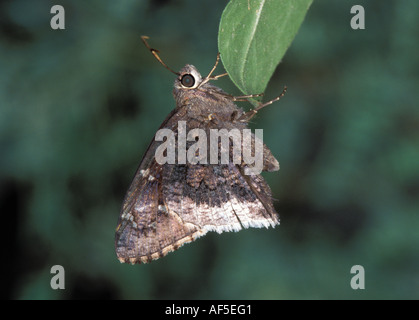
point(188, 80)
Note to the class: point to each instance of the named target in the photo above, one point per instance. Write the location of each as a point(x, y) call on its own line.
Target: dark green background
point(79, 106)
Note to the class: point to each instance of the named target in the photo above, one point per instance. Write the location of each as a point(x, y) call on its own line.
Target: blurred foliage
point(79, 106)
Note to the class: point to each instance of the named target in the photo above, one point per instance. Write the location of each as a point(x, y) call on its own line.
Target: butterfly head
point(188, 78)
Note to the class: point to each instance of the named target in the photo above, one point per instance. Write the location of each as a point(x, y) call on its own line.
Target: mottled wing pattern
point(175, 204)
point(146, 230)
point(216, 198)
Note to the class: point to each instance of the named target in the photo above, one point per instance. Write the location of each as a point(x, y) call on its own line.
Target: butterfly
point(170, 204)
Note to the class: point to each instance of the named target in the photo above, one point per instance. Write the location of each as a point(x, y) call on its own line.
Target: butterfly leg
point(250, 114)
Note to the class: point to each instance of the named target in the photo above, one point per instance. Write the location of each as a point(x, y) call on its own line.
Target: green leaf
point(253, 38)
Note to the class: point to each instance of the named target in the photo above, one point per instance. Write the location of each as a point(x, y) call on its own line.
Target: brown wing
point(183, 202)
point(145, 229)
point(167, 206)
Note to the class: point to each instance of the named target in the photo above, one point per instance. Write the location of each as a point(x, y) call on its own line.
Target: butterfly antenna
point(155, 52)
